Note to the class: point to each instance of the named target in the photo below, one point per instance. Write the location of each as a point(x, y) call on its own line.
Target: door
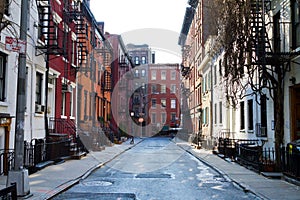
point(295, 113)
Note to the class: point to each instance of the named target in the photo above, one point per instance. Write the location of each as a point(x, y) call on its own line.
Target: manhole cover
point(149, 175)
point(97, 183)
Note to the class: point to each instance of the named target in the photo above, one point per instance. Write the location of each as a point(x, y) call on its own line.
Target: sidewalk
point(248, 180)
point(53, 179)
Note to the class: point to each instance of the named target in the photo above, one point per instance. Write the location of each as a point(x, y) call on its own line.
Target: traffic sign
point(14, 44)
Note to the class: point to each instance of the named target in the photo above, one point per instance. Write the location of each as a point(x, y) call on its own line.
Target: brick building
point(163, 98)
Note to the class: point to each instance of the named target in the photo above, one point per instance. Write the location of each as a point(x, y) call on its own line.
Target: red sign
point(16, 45)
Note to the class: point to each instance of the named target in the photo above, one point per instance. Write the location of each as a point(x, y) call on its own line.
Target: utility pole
point(19, 175)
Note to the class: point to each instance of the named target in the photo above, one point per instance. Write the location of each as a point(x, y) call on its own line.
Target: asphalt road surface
point(156, 169)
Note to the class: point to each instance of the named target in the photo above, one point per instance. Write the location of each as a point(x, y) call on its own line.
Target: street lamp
point(141, 119)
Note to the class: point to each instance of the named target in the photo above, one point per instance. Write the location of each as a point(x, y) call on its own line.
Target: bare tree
point(248, 61)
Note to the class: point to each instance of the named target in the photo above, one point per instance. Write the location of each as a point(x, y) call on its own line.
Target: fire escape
point(262, 51)
point(269, 56)
point(50, 36)
point(81, 33)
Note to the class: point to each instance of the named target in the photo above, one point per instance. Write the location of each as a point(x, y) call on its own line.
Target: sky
point(154, 22)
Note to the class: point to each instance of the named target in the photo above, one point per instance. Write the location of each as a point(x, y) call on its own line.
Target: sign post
point(19, 174)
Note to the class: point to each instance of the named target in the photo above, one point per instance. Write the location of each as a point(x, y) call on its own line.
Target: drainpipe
point(211, 101)
point(46, 98)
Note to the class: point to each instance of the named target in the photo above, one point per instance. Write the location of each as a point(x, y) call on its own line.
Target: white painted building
point(35, 81)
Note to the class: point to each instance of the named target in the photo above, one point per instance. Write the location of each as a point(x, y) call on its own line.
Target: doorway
point(295, 112)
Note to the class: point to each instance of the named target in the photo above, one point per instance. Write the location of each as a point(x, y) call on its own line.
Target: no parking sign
point(14, 44)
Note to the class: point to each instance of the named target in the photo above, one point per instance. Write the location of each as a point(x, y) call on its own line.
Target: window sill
point(3, 103)
point(63, 117)
point(39, 114)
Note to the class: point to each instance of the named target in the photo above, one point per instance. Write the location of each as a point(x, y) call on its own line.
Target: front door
point(295, 113)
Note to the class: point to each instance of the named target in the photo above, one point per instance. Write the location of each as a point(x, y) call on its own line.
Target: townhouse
point(122, 73)
point(265, 103)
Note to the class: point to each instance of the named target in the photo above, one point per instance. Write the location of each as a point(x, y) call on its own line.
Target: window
point(143, 73)
point(153, 88)
point(136, 73)
point(63, 103)
point(85, 104)
point(215, 75)
point(162, 89)
point(163, 75)
point(173, 103)
point(295, 24)
point(205, 116)
point(55, 27)
point(144, 60)
point(38, 88)
point(209, 80)
point(73, 52)
point(136, 60)
point(216, 118)
point(153, 75)
point(242, 117)
point(173, 88)
point(173, 75)
point(250, 114)
point(153, 118)
point(153, 103)
point(263, 115)
point(204, 83)
point(163, 103)
point(72, 96)
point(221, 113)
point(173, 116)
point(2, 76)
point(163, 118)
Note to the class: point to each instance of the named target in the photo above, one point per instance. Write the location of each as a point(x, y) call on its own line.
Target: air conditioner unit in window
point(67, 88)
point(39, 108)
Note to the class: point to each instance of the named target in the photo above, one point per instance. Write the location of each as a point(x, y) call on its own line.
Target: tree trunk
point(279, 119)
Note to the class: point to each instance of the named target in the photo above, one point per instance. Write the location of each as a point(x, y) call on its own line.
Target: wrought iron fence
point(291, 161)
point(248, 152)
point(9, 193)
point(7, 161)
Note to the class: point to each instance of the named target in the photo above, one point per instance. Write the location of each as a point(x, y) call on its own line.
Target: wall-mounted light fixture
point(293, 80)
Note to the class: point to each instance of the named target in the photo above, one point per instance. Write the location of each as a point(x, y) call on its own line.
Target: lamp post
point(131, 115)
point(141, 119)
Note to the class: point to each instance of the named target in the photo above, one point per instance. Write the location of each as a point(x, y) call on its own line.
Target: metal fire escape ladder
point(107, 81)
point(81, 33)
point(48, 30)
point(260, 43)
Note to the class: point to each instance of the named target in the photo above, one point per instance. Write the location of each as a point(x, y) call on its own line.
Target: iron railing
point(66, 126)
point(6, 161)
point(248, 152)
point(291, 162)
point(9, 193)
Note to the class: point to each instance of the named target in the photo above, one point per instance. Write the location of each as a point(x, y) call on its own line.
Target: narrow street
point(156, 168)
